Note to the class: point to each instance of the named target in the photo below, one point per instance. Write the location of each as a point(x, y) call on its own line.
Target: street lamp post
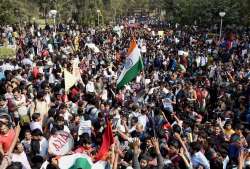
point(98, 16)
point(222, 14)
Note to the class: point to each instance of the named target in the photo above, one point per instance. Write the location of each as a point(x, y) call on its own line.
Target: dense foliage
point(85, 11)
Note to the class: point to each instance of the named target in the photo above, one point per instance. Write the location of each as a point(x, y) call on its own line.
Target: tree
point(8, 12)
point(205, 12)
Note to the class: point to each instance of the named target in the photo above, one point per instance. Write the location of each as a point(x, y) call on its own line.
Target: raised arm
point(116, 157)
point(184, 158)
point(124, 136)
point(136, 153)
point(155, 144)
point(241, 159)
point(13, 144)
point(178, 137)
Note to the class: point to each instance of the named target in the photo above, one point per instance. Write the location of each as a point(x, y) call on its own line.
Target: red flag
point(35, 72)
point(107, 141)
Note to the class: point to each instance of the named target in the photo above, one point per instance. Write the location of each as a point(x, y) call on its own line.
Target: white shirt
point(47, 98)
point(200, 159)
point(90, 87)
point(51, 78)
point(142, 119)
point(21, 108)
point(203, 61)
point(104, 95)
point(35, 125)
point(50, 48)
point(225, 162)
point(156, 76)
point(44, 145)
point(27, 61)
point(198, 61)
point(22, 158)
point(7, 66)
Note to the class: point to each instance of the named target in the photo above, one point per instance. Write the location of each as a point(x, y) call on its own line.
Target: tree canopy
point(85, 11)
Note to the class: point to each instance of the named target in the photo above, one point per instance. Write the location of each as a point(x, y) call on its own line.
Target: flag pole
point(153, 118)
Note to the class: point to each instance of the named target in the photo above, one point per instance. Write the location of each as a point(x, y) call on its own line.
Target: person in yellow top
point(15, 34)
point(228, 131)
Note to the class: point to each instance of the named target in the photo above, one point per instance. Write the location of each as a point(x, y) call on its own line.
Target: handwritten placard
point(61, 143)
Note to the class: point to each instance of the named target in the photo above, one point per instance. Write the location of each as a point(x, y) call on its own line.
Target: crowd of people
point(188, 108)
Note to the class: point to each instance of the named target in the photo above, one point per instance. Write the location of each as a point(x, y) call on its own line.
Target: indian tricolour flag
point(133, 65)
point(76, 161)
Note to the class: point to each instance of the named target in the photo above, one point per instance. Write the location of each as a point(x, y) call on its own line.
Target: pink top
point(7, 139)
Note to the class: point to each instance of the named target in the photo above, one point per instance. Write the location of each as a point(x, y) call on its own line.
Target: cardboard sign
point(61, 143)
point(182, 53)
point(161, 33)
point(85, 127)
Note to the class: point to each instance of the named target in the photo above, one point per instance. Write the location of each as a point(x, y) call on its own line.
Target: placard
point(61, 143)
point(180, 52)
point(84, 127)
point(161, 33)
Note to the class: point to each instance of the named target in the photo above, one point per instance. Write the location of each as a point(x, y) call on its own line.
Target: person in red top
point(7, 134)
point(85, 145)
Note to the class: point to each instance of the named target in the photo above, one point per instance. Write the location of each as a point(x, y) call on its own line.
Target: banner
point(76, 161)
point(69, 80)
point(60, 143)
